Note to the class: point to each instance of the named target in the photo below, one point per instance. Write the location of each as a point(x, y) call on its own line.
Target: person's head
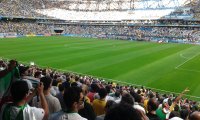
point(184, 114)
point(109, 105)
point(61, 87)
point(137, 97)
point(38, 74)
point(195, 116)
point(176, 108)
point(108, 88)
point(19, 91)
point(165, 104)
point(122, 112)
point(117, 93)
point(127, 99)
point(47, 82)
point(74, 84)
point(23, 71)
point(102, 93)
point(54, 83)
point(174, 114)
point(152, 104)
point(73, 98)
point(94, 87)
point(85, 89)
point(66, 84)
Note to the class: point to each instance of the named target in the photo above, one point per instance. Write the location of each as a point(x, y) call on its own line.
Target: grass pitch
point(171, 67)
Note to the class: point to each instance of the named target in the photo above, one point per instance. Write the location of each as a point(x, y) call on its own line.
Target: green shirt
point(160, 114)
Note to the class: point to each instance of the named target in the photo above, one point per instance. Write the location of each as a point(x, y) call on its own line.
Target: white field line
point(127, 83)
point(189, 70)
point(183, 56)
point(186, 61)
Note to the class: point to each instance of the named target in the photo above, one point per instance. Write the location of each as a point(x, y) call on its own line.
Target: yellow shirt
point(99, 106)
point(145, 104)
point(87, 99)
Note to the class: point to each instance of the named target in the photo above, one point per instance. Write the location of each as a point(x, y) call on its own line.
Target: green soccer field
point(170, 67)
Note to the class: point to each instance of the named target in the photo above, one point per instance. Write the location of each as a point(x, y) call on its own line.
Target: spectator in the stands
point(139, 102)
point(109, 105)
point(152, 106)
point(127, 99)
point(53, 102)
point(60, 96)
point(195, 116)
point(175, 114)
point(184, 114)
point(87, 111)
point(19, 109)
point(73, 98)
point(123, 112)
point(99, 104)
point(93, 91)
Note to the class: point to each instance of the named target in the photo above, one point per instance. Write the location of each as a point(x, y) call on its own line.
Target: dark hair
point(176, 108)
point(151, 95)
point(127, 99)
point(71, 95)
point(139, 92)
point(46, 82)
point(184, 113)
point(110, 104)
point(74, 84)
point(117, 93)
point(18, 90)
point(37, 74)
point(54, 83)
point(22, 69)
point(94, 87)
point(137, 97)
point(174, 114)
point(76, 78)
point(102, 93)
point(108, 89)
point(152, 105)
point(66, 84)
point(170, 102)
point(122, 112)
point(61, 87)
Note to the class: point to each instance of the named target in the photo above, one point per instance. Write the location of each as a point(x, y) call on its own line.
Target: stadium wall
point(15, 35)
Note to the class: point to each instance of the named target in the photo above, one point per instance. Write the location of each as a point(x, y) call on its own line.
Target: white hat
point(176, 118)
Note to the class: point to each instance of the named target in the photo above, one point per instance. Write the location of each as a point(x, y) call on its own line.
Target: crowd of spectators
point(43, 93)
point(17, 8)
point(24, 28)
point(165, 33)
point(147, 33)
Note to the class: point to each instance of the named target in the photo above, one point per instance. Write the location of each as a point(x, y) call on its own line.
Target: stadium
point(113, 50)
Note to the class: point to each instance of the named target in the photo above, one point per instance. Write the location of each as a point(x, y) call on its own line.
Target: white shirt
point(53, 103)
point(137, 106)
point(66, 116)
point(30, 113)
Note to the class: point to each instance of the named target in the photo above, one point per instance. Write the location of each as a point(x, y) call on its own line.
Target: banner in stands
point(20, 35)
point(71, 35)
point(8, 35)
point(30, 35)
point(47, 34)
point(1, 35)
point(39, 34)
